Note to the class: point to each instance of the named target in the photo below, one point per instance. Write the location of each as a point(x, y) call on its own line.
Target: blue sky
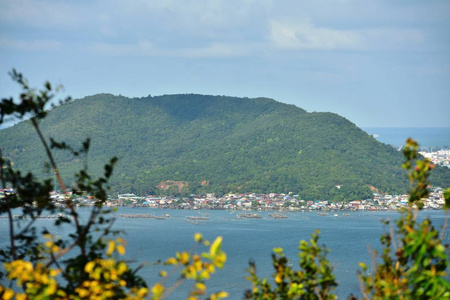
point(377, 63)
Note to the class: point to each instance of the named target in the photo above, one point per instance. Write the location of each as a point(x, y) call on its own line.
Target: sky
point(383, 63)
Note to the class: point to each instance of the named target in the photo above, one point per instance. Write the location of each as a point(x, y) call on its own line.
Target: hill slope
point(218, 144)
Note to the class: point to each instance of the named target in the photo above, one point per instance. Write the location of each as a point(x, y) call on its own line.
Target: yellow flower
point(198, 237)
point(215, 247)
point(163, 273)
point(171, 261)
point(110, 250)
point(157, 290)
point(7, 293)
point(121, 249)
point(200, 286)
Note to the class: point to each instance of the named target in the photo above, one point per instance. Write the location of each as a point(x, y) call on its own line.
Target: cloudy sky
point(383, 63)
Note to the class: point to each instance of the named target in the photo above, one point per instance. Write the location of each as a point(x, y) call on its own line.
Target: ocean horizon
point(397, 136)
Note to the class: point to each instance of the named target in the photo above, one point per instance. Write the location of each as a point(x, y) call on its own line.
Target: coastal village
point(286, 202)
point(265, 202)
point(275, 202)
point(255, 202)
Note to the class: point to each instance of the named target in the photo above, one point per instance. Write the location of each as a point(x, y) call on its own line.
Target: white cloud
point(141, 48)
point(29, 45)
point(305, 35)
point(42, 13)
point(197, 19)
point(145, 48)
point(213, 50)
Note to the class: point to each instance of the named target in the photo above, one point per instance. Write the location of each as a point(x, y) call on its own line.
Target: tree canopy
point(232, 144)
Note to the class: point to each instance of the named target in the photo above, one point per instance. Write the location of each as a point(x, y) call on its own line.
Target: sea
point(438, 137)
point(350, 239)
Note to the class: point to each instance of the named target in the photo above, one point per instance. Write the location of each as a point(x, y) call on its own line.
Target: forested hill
point(215, 144)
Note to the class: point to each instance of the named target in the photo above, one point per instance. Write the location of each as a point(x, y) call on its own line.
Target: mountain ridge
point(235, 144)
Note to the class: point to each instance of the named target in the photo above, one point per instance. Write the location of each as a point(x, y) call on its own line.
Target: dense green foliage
point(314, 280)
point(232, 144)
point(414, 262)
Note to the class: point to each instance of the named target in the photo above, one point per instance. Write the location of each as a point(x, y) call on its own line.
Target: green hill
point(215, 144)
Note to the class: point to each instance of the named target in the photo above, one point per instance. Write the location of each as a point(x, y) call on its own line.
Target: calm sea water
point(427, 137)
point(349, 239)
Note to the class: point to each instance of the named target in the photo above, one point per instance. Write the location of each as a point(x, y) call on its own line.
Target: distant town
point(440, 157)
point(265, 202)
point(255, 202)
point(273, 201)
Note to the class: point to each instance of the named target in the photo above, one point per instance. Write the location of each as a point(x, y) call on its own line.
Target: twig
point(318, 293)
point(105, 231)
point(62, 252)
point(391, 233)
point(49, 155)
point(138, 268)
point(170, 274)
point(10, 217)
point(444, 227)
point(361, 287)
point(27, 226)
point(60, 181)
point(55, 261)
point(11, 234)
point(172, 288)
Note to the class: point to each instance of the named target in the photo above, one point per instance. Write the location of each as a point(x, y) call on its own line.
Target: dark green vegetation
point(228, 144)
